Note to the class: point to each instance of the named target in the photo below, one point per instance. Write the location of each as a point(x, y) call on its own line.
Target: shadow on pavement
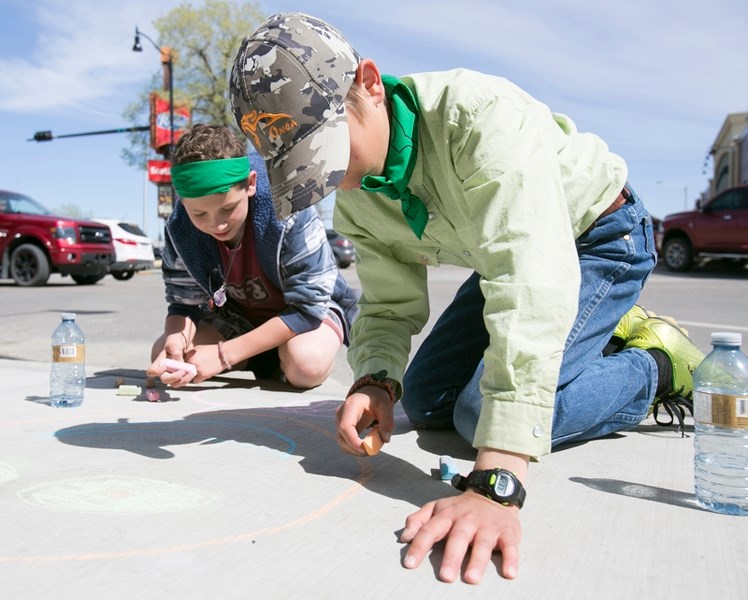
point(305, 431)
point(641, 491)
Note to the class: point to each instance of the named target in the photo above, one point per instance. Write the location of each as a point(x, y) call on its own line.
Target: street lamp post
point(167, 61)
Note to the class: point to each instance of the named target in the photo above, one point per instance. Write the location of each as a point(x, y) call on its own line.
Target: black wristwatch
point(498, 484)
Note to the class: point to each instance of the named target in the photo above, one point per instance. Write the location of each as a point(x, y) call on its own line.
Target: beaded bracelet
point(379, 380)
point(222, 357)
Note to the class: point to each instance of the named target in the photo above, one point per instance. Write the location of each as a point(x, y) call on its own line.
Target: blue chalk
point(447, 467)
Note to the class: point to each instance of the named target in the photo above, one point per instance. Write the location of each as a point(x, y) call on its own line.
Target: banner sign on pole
point(161, 125)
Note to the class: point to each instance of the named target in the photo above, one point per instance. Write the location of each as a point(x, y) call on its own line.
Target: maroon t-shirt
point(247, 284)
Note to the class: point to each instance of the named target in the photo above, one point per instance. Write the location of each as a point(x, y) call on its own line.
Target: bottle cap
point(68, 316)
point(727, 338)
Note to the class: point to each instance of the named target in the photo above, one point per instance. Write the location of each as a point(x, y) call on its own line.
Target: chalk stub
point(373, 443)
point(173, 366)
point(128, 390)
point(447, 467)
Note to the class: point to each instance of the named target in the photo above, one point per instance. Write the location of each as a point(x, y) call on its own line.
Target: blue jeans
point(597, 394)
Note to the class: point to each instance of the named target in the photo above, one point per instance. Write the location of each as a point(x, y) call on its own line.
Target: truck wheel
point(678, 254)
point(29, 265)
point(123, 275)
point(87, 279)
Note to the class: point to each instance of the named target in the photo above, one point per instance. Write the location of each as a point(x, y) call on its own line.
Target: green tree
point(204, 42)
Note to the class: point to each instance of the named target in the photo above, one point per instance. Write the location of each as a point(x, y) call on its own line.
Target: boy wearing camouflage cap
point(466, 169)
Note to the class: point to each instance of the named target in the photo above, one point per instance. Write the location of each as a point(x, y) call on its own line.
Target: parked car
point(718, 228)
point(657, 228)
point(342, 248)
point(133, 248)
point(158, 249)
point(35, 243)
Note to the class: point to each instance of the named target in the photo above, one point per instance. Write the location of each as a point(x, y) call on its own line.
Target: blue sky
point(654, 78)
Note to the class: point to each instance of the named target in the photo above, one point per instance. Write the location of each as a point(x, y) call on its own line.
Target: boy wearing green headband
point(466, 169)
point(244, 289)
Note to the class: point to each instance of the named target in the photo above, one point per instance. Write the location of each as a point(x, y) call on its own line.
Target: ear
point(252, 183)
point(369, 77)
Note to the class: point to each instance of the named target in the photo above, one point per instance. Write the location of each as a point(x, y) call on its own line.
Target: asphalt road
point(122, 318)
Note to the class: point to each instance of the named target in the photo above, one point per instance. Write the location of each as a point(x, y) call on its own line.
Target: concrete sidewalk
point(232, 489)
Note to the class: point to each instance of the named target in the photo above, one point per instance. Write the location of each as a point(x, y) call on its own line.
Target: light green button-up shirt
point(508, 186)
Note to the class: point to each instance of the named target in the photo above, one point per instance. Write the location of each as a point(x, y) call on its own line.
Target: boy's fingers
point(424, 539)
point(348, 439)
point(457, 546)
point(386, 425)
point(415, 521)
point(508, 544)
point(480, 555)
point(350, 443)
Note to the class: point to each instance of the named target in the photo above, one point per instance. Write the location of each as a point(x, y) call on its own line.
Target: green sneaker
point(635, 317)
point(630, 321)
point(657, 333)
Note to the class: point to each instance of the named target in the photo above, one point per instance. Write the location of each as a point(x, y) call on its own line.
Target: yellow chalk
point(128, 390)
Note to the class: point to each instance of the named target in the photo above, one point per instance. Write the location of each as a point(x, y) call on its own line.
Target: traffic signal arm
point(46, 136)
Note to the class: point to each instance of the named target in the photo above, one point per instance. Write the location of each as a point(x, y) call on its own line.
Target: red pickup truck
point(35, 243)
point(717, 229)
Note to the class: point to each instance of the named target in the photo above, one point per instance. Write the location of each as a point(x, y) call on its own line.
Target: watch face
point(504, 485)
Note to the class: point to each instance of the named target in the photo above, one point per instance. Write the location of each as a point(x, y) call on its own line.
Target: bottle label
point(722, 410)
point(72, 353)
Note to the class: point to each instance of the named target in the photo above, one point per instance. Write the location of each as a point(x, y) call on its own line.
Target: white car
point(134, 249)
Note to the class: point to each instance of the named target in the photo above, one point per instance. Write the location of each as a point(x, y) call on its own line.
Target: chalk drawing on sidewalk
point(302, 439)
point(116, 495)
point(7, 473)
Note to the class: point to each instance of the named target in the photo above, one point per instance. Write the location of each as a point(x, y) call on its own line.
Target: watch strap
point(459, 482)
point(480, 480)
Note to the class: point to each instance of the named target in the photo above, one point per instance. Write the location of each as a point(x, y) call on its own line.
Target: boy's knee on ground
point(305, 369)
point(425, 415)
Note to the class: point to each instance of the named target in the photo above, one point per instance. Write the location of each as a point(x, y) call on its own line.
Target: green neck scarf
point(208, 177)
point(401, 155)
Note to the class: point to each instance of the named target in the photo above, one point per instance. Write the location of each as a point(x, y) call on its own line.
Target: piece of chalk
point(152, 395)
point(447, 467)
point(128, 390)
point(176, 365)
point(373, 443)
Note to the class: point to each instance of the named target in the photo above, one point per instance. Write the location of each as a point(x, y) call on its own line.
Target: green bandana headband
point(401, 155)
point(207, 177)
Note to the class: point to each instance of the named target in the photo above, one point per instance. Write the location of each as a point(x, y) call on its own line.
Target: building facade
point(730, 154)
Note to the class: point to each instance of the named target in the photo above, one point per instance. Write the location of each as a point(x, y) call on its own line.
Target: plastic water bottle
point(67, 379)
point(721, 422)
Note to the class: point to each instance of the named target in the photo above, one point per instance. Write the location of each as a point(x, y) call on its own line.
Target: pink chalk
point(152, 395)
point(174, 365)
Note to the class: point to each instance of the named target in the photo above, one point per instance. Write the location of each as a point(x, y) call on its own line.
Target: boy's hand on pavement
point(360, 411)
point(470, 523)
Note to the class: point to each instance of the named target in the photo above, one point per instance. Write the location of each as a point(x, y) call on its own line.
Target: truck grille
point(95, 235)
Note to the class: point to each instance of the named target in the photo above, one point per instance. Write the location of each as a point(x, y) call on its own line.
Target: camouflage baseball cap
point(288, 88)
